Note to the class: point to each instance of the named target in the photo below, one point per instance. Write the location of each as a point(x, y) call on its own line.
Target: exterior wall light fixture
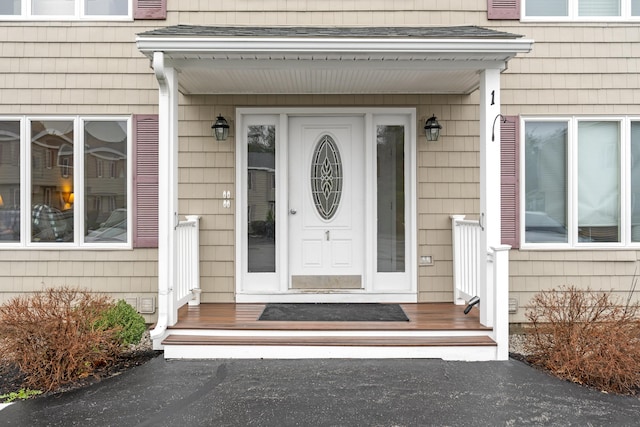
point(220, 129)
point(432, 129)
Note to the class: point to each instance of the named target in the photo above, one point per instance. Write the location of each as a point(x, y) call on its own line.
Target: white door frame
point(274, 286)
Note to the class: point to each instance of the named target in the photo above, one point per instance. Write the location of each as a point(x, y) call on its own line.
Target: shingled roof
point(295, 60)
point(457, 32)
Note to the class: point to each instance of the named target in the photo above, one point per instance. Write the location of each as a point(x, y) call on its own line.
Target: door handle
point(328, 235)
point(293, 211)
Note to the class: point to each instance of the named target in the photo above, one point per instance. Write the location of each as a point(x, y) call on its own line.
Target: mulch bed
point(12, 380)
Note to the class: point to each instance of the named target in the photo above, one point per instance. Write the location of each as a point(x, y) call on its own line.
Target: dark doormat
point(334, 312)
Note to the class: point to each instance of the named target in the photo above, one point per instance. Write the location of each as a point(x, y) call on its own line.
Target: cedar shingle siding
point(95, 68)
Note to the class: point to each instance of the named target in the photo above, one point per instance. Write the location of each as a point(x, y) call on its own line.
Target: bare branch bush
point(587, 337)
point(53, 336)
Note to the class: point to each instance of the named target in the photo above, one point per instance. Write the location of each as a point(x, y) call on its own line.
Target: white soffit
point(328, 65)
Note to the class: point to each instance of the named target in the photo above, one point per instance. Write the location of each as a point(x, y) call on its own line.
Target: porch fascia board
point(402, 49)
point(229, 63)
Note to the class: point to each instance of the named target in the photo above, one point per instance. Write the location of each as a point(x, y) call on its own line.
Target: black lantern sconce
point(432, 129)
point(220, 129)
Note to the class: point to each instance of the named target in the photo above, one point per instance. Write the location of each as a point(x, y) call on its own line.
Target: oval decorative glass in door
point(326, 177)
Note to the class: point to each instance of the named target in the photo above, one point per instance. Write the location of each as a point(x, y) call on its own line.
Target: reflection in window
point(390, 198)
point(261, 198)
point(105, 142)
point(9, 181)
point(546, 182)
point(49, 208)
point(52, 188)
point(599, 181)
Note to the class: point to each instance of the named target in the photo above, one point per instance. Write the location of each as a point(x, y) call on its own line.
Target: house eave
point(330, 65)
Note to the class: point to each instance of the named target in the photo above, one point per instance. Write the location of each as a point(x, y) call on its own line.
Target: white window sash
point(599, 174)
point(625, 184)
point(78, 190)
point(28, 12)
point(625, 9)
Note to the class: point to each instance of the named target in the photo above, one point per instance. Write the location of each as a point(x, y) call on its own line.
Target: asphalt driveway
point(328, 393)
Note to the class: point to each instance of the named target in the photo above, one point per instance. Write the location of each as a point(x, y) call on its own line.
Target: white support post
point(167, 192)
point(170, 191)
point(489, 184)
point(501, 300)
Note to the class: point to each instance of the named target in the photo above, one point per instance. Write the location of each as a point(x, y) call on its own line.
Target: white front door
point(325, 209)
point(326, 202)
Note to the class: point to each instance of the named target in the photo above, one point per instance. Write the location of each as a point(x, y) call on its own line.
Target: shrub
point(52, 338)
point(586, 337)
point(21, 394)
point(125, 321)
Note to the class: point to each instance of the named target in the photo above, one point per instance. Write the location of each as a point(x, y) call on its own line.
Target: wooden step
point(327, 341)
point(229, 316)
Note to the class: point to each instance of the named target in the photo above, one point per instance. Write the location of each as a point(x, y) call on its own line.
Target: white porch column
point(501, 308)
point(167, 189)
point(489, 185)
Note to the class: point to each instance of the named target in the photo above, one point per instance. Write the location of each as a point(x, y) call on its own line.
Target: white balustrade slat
point(469, 283)
point(188, 261)
point(466, 249)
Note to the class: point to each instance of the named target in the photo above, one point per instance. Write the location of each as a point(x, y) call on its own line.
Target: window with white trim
point(580, 10)
point(61, 203)
point(581, 181)
point(66, 9)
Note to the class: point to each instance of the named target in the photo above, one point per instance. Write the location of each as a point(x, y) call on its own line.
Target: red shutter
point(145, 181)
point(503, 9)
point(150, 9)
point(509, 182)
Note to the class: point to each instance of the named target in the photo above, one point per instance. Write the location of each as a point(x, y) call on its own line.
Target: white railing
point(187, 284)
point(490, 284)
point(466, 258)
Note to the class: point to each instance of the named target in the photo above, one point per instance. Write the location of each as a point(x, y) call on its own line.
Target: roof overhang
point(291, 60)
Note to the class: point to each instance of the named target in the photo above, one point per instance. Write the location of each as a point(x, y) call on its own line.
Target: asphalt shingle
point(457, 32)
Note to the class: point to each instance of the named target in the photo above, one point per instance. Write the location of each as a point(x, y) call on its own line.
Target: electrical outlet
point(513, 305)
point(426, 260)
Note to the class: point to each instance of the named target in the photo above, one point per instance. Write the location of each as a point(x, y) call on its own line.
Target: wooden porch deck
point(220, 331)
point(422, 317)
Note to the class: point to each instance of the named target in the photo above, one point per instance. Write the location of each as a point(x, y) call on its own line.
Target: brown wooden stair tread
point(330, 341)
point(229, 316)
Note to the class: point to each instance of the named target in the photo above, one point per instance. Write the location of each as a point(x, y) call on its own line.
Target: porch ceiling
point(331, 60)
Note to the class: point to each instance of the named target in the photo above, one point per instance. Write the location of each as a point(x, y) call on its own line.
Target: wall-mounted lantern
point(432, 129)
point(220, 128)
